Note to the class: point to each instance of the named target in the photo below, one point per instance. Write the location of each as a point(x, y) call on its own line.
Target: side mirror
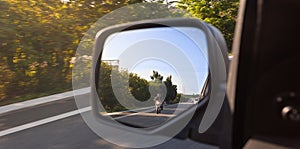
point(149, 78)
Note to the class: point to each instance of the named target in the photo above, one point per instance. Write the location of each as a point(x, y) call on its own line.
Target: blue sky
point(180, 52)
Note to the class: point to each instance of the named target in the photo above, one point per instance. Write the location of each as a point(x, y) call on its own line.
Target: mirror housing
point(213, 102)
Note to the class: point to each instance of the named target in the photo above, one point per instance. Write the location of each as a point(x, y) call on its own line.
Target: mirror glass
point(148, 76)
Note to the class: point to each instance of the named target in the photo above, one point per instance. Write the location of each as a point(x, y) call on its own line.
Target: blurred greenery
point(220, 13)
point(39, 38)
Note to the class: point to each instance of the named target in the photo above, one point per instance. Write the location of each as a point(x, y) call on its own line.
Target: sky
point(180, 52)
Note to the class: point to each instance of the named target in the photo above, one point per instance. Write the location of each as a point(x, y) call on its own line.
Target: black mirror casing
point(218, 64)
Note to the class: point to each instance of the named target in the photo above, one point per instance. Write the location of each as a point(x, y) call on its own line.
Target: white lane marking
point(62, 116)
point(43, 121)
point(51, 119)
point(42, 100)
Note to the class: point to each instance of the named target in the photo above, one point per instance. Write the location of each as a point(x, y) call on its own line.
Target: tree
point(165, 88)
point(220, 13)
point(139, 87)
point(156, 77)
point(171, 90)
point(39, 38)
point(156, 86)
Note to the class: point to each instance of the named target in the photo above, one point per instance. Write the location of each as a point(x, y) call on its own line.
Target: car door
point(264, 76)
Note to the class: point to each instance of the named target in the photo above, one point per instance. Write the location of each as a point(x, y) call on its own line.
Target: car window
point(39, 39)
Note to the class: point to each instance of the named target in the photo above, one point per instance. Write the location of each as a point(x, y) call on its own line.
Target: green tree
point(220, 13)
point(38, 40)
point(139, 87)
point(156, 77)
point(156, 86)
point(105, 91)
point(171, 90)
point(165, 88)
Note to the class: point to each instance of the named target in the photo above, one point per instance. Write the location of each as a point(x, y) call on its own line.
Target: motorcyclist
point(158, 103)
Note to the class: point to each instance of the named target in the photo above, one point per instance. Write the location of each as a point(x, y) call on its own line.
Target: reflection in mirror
point(148, 76)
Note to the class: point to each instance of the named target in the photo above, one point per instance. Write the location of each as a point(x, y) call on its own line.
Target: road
point(148, 118)
point(55, 125)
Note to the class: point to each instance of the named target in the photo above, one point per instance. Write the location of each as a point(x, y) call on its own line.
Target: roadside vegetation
point(130, 85)
point(38, 40)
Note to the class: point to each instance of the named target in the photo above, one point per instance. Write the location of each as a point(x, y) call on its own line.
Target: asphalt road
point(70, 132)
point(148, 118)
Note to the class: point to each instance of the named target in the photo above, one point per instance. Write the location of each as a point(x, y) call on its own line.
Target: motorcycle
point(158, 107)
